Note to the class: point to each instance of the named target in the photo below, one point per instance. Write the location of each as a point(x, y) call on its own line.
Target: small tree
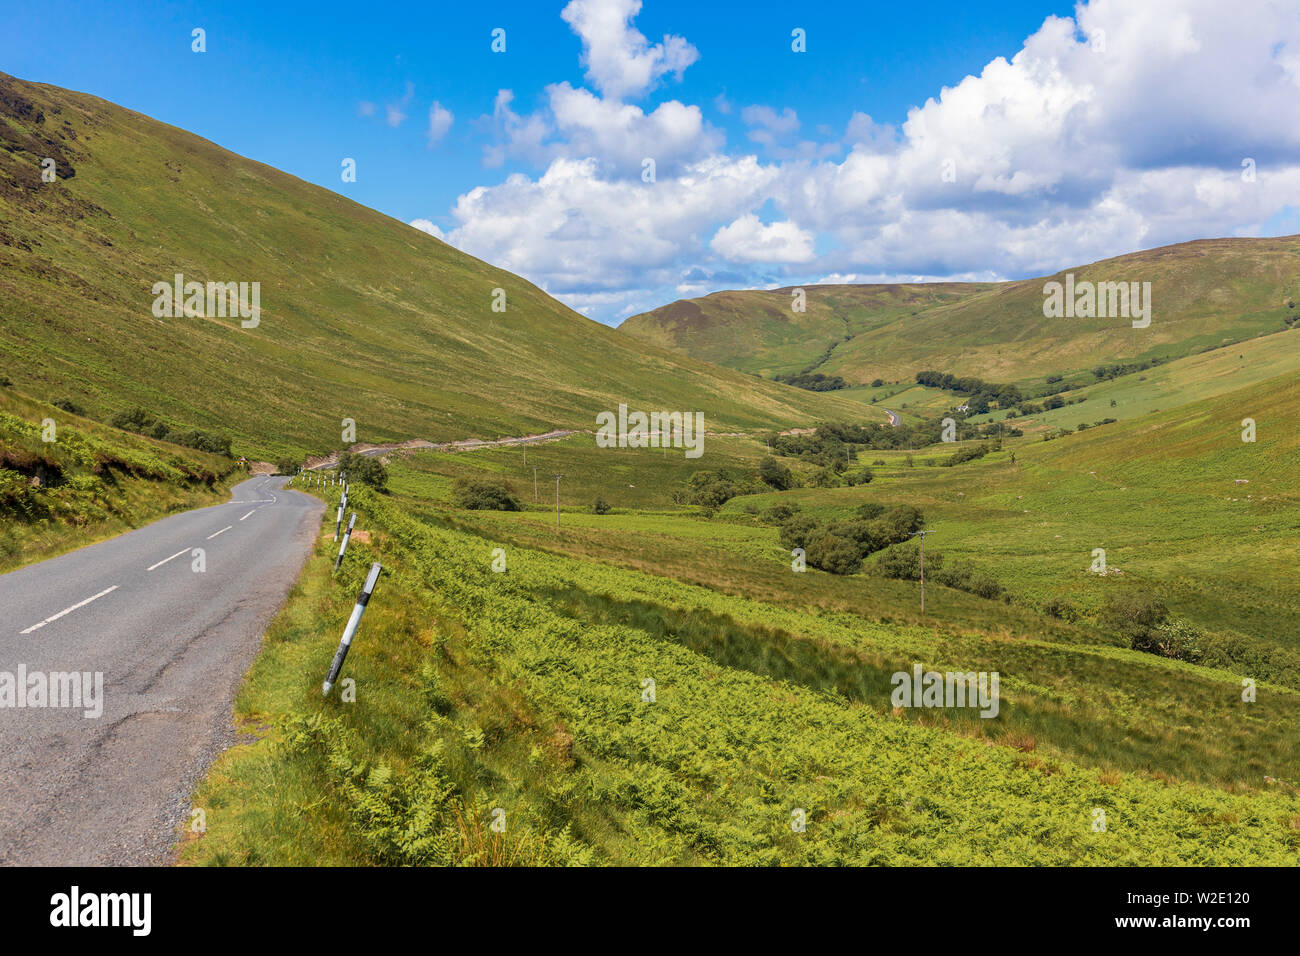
point(1134, 617)
point(863, 476)
point(775, 474)
point(484, 495)
point(600, 507)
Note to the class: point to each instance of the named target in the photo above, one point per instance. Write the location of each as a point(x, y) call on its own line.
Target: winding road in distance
point(172, 643)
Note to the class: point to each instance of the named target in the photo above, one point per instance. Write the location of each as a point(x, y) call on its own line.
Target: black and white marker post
point(351, 629)
point(344, 546)
point(338, 522)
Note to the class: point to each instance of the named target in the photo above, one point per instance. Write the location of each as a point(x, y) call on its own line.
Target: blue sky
point(908, 141)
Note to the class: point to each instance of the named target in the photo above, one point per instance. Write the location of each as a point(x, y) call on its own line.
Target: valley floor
point(654, 686)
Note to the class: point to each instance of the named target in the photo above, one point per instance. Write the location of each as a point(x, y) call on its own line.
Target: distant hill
point(1204, 294)
point(361, 316)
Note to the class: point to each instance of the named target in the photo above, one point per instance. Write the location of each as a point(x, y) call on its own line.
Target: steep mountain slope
point(361, 316)
point(1203, 294)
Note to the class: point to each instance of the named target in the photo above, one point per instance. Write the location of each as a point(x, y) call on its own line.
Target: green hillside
point(361, 316)
point(1204, 294)
point(760, 331)
point(66, 481)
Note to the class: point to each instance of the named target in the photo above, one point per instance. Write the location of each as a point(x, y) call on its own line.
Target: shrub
point(1134, 616)
point(863, 476)
point(286, 466)
point(796, 532)
point(203, 441)
point(862, 533)
point(600, 506)
point(898, 523)
point(775, 474)
point(143, 422)
point(484, 495)
point(869, 510)
point(369, 471)
point(965, 454)
point(965, 578)
point(1062, 610)
point(1176, 639)
point(781, 512)
point(904, 562)
point(135, 420)
point(68, 405)
point(712, 489)
point(832, 553)
point(826, 478)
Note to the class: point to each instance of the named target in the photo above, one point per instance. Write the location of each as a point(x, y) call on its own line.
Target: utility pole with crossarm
point(921, 535)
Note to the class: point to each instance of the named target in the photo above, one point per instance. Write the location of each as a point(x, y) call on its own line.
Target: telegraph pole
point(557, 501)
point(921, 535)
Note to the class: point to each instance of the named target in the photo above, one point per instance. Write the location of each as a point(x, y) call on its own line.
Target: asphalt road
point(172, 644)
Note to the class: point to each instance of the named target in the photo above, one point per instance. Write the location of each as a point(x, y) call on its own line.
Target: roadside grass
point(91, 482)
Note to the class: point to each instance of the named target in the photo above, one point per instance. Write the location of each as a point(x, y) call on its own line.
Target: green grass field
point(772, 687)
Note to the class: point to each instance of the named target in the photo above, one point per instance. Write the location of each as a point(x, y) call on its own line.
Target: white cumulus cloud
point(619, 59)
point(1123, 127)
point(749, 240)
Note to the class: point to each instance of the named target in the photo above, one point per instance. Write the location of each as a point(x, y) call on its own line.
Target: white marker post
point(351, 629)
point(344, 546)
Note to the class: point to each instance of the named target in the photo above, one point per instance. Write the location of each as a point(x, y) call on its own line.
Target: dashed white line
point(165, 560)
point(55, 617)
point(245, 516)
point(215, 533)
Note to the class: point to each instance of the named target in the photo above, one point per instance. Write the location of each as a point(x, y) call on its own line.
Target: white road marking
point(245, 516)
point(215, 533)
point(69, 610)
point(165, 560)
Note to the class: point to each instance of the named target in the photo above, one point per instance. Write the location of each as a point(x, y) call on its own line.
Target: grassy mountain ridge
point(1204, 294)
point(348, 295)
point(760, 332)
